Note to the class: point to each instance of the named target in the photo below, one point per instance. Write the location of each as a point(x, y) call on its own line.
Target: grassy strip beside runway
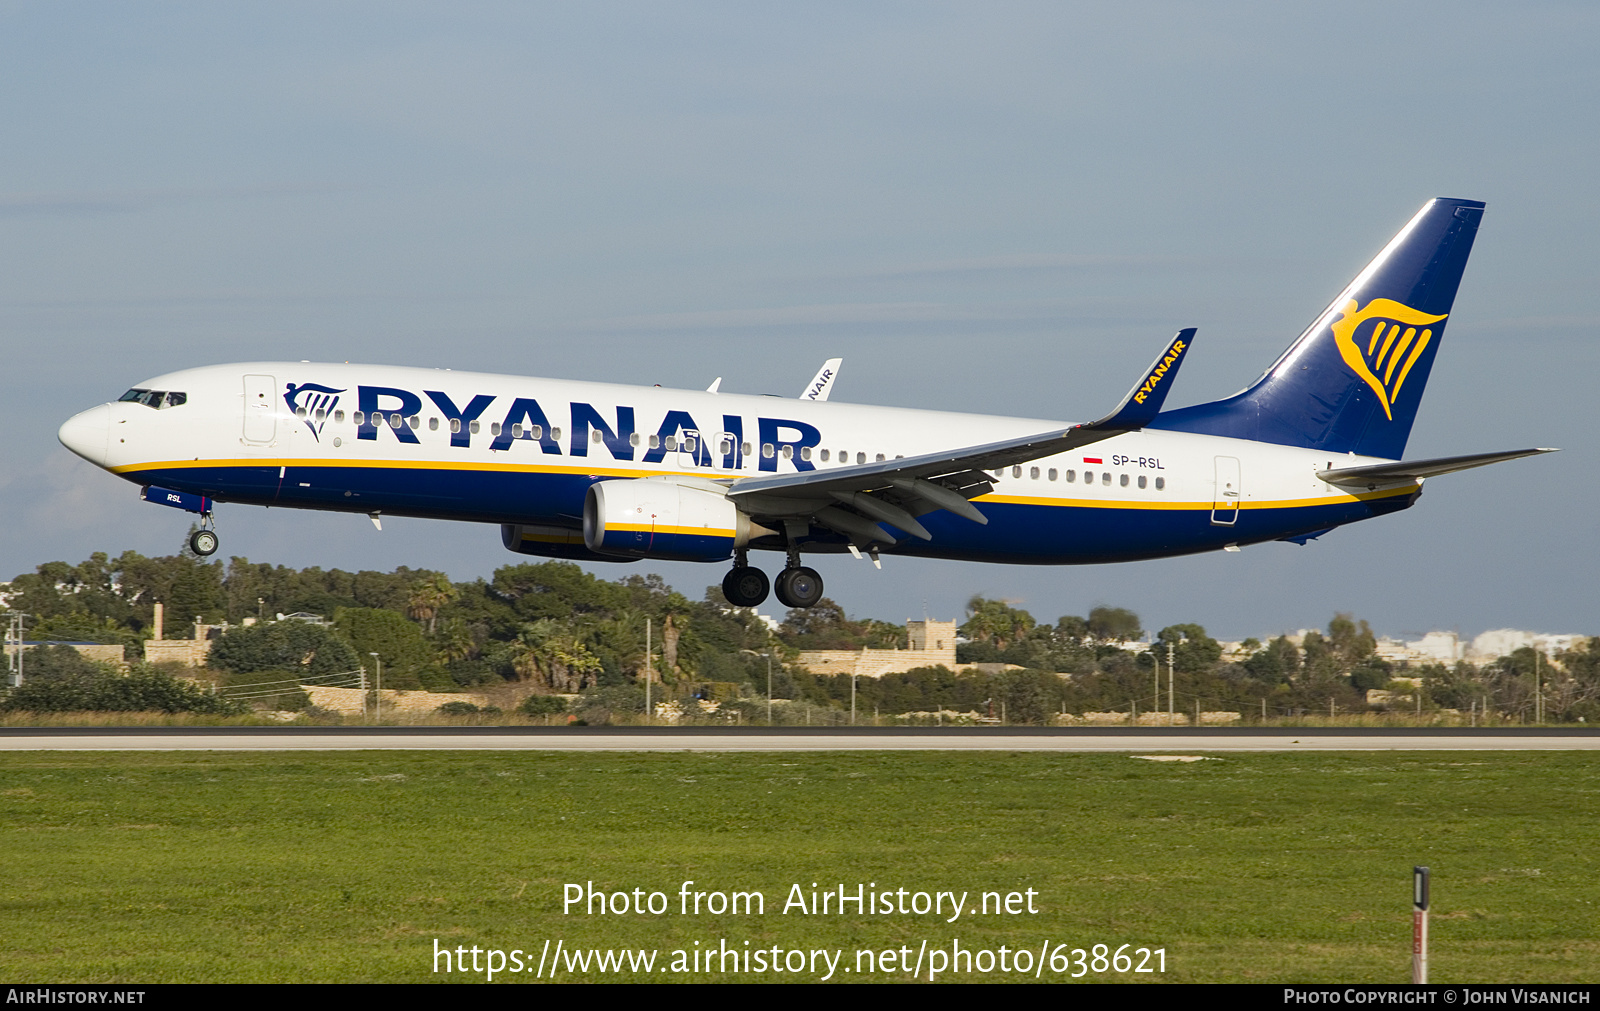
point(170, 867)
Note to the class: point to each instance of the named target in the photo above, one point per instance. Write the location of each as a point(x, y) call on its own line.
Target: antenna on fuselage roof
point(714, 384)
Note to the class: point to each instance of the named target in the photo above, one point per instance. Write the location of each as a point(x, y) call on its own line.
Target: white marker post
point(1419, 924)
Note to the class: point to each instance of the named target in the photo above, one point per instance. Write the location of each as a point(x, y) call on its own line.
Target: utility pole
point(377, 700)
point(1156, 706)
point(14, 634)
point(647, 648)
point(1172, 689)
point(1538, 689)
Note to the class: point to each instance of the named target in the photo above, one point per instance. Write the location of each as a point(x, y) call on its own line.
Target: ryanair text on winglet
point(1160, 372)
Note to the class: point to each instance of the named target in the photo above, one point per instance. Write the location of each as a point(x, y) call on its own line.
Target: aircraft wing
point(852, 500)
point(1412, 470)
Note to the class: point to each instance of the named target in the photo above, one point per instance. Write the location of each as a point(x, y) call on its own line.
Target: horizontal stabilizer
point(1412, 470)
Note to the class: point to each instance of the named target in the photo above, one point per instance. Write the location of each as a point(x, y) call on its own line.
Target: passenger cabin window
point(824, 456)
point(338, 417)
point(1161, 483)
point(455, 426)
point(473, 428)
point(359, 417)
point(768, 450)
point(1072, 476)
point(1124, 480)
point(805, 452)
point(433, 424)
point(1105, 477)
point(1033, 473)
point(1142, 480)
point(1053, 473)
point(861, 458)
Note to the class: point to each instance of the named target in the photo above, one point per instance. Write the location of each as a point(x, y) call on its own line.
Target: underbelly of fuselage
point(1032, 531)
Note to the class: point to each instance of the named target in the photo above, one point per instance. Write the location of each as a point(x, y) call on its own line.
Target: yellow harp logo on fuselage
point(1380, 342)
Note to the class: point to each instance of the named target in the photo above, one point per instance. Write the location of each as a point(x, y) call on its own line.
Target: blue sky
point(1001, 208)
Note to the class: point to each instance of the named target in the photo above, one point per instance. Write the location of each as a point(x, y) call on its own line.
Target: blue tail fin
point(1352, 382)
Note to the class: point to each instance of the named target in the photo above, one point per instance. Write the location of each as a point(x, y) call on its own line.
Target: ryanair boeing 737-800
point(601, 472)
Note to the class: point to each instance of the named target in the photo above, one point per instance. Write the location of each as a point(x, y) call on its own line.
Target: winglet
point(1144, 401)
point(822, 383)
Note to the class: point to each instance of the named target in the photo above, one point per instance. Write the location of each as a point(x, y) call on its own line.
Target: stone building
point(928, 644)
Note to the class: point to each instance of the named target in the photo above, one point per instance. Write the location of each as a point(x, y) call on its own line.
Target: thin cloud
point(828, 314)
point(1015, 263)
point(13, 205)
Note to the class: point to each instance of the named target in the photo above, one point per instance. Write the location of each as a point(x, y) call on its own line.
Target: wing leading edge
point(897, 491)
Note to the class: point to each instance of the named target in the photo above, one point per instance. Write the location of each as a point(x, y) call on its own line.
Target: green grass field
point(178, 867)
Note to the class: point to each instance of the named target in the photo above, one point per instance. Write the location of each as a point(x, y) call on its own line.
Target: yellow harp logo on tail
point(1381, 342)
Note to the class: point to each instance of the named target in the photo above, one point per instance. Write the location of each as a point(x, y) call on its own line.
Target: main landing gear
point(796, 585)
point(203, 542)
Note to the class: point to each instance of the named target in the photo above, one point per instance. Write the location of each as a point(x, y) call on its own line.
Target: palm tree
point(428, 596)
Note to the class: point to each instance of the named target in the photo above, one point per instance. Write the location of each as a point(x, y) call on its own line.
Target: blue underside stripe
point(1016, 533)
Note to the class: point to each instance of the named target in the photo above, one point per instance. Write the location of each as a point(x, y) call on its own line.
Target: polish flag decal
point(1091, 459)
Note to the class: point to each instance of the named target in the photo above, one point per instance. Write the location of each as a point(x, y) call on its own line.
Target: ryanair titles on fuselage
point(527, 420)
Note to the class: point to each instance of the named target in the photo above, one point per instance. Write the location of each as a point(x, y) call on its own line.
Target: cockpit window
point(154, 398)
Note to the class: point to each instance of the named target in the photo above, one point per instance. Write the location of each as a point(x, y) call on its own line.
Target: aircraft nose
point(86, 434)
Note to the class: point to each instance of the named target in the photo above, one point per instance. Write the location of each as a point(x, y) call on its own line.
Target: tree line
point(555, 630)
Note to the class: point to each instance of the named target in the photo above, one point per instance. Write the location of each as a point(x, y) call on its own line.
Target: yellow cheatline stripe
point(1081, 503)
point(531, 468)
point(645, 528)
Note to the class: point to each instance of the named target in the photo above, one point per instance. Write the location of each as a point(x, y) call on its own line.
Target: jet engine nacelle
point(648, 518)
point(551, 542)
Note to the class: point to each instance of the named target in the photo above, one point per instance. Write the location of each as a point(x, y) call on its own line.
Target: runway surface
point(1154, 740)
